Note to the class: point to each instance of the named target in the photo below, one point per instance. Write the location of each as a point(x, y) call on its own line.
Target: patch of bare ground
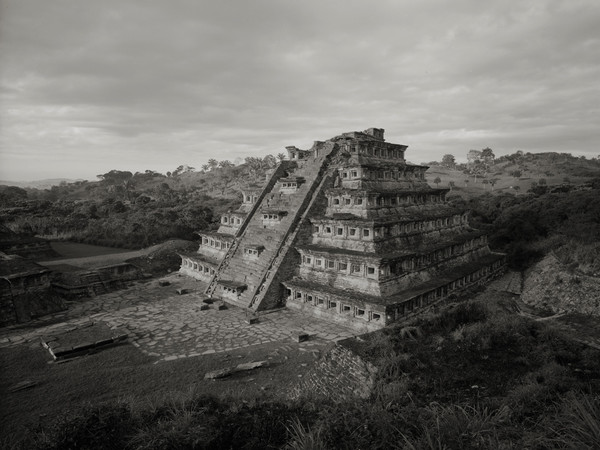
point(148, 256)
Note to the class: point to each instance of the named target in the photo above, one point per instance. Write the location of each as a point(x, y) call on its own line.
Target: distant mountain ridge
point(39, 184)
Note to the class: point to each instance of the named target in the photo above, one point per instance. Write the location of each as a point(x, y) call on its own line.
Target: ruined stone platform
point(168, 326)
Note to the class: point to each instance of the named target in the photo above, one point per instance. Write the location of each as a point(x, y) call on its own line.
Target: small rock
point(250, 365)
point(222, 373)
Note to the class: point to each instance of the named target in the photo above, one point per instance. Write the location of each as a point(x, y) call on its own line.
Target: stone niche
point(231, 290)
point(214, 244)
point(289, 185)
point(253, 251)
point(272, 217)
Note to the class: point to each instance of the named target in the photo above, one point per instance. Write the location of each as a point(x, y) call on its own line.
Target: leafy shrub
point(462, 314)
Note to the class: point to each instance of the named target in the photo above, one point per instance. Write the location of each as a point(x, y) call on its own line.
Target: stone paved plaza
point(168, 326)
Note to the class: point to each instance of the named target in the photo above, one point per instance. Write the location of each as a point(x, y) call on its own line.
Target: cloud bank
point(91, 86)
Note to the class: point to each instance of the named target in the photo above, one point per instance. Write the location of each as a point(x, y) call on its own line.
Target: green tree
point(487, 156)
point(11, 194)
point(437, 181)
point(253, 164)
point(184, 168)
point(448, 161)
point(119, 179)
point(270, 162)
point(224, 164)
point(213, 163)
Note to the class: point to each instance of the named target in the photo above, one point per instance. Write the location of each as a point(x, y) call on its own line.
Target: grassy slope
point(123, 372)
point(552, 167)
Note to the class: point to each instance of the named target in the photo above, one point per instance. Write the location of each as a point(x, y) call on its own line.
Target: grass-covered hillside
point(516, 173)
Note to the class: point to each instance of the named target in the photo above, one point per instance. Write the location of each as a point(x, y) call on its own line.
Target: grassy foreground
point(475, 375)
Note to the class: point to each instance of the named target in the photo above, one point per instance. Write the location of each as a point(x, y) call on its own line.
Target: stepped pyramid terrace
point(347, 231)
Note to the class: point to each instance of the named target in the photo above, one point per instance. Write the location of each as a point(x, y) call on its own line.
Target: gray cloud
point(90, 86)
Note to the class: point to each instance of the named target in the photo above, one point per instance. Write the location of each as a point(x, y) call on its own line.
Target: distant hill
point(516, 173)
point(39, 184)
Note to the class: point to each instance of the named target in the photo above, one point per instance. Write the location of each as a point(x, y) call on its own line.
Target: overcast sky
point(90, 86)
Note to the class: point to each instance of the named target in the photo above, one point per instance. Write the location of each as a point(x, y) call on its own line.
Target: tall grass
point(459, 427)
point(304, 438)
point(577, 425)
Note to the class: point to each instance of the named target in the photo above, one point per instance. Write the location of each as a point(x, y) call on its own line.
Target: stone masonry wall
point(340, 374)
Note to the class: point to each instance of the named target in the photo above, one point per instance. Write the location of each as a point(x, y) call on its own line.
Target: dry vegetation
point(474, 376)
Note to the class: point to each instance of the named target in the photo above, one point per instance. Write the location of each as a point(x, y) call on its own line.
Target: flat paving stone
point(169, 328)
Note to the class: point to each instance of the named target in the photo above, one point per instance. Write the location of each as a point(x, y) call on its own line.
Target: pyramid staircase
point(277, 238)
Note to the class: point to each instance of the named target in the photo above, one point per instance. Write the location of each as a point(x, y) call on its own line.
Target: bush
point(450, 319)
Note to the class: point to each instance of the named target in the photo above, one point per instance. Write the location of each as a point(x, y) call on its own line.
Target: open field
point(68, 250)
